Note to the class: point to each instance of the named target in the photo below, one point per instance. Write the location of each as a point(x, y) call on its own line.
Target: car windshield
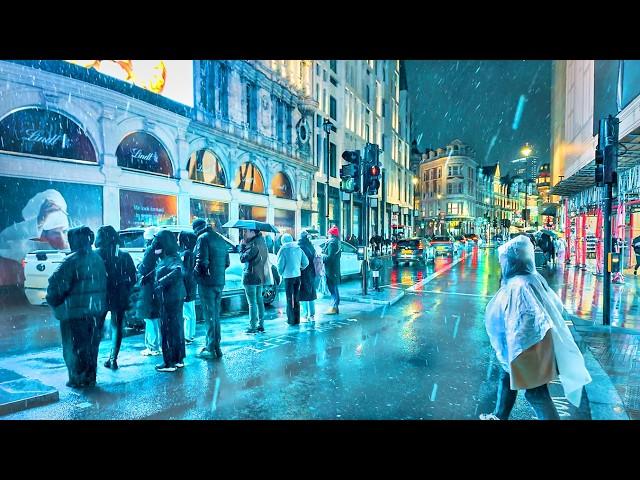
point(409, 243)
point(441, 239)
point(132, 239)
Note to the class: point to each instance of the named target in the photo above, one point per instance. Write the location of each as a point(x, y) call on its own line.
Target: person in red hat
point(331, 257)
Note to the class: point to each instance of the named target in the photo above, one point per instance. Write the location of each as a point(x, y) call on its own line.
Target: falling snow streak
point(214, 402)
point(433, 392)
point(455, 329)
point(519, 111)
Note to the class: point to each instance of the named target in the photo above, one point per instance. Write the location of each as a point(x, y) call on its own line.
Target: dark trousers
point(211, 299)
point(172, 334)
point(635, 269)
point(78, 337)
point(332, 285)
point(117, 329)
point(539, 398)
point(292, 289)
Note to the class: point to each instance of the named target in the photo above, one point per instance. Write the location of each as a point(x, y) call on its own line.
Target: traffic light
point(599, 167)
point(350, 173)
point(607, 151)
point(373, 171)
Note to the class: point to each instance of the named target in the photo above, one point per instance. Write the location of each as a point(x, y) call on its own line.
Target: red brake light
point(24, 263)
point(420, 245)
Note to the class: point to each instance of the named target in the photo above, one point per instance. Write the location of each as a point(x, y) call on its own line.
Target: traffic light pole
point(327, 128)
point(606, 310)
point(365, 262)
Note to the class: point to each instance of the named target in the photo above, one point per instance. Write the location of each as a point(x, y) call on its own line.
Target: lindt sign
point(138, 154)
point(33, 135)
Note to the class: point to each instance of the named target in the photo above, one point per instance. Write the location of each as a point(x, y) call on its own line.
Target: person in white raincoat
point(534, 346)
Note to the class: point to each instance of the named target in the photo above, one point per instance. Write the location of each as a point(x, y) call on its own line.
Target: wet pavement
point(425, 357)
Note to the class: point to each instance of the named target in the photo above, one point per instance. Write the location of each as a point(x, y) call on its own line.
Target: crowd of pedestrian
point(92, 283)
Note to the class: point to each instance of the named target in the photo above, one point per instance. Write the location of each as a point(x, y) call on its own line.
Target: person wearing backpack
point(308, 278)
point(331, 257)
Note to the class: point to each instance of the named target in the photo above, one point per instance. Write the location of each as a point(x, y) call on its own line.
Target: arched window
point(249, 178)
point(141, 151)
point(37, 131)
point(204, 166)
point(281, 186)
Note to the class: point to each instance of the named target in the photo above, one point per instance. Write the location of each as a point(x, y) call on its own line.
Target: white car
point(40, 264)
point(349, 263)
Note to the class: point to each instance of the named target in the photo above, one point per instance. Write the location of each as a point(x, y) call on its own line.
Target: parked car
point(464, 242)
point(443, 245)
point(413, 250)
point(472, 236)
point(40, 264)
point(349, 263)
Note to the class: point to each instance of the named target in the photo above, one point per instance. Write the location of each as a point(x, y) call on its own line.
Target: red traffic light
point(374, 171)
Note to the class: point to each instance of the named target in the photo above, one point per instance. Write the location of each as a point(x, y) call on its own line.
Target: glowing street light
point(526, 150)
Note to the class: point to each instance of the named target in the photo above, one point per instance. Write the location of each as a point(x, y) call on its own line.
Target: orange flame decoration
point(148, 74)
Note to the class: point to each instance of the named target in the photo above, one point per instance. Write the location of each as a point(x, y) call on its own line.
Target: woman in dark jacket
point(121, 277)
point(254, 255)
point(77, 293)
point(307, 294)
point(169, 287)
point(187, 241)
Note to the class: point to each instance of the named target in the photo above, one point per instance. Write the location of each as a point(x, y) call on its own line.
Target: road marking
point(434, 275)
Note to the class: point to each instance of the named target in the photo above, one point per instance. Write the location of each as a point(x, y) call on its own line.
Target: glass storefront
point(250, 212)
point(305, 218)
point(249, 179)
point(205, 167)
point(285, 221)
point(216, 213)
point(139, 209)
point(281, 187)
point(141, 151)
point(357, 212)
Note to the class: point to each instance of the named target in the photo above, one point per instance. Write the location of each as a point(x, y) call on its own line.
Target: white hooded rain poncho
point(522, 312)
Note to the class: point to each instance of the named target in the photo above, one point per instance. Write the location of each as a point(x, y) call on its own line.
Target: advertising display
point(141, 151)
point(36, 131)
point(37, 214)
point(139, 209)
point(170, 78)
point(249, 212)
point(216, 213)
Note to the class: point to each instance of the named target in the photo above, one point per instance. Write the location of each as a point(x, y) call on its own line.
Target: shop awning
point(629, 156)
point(550, 209)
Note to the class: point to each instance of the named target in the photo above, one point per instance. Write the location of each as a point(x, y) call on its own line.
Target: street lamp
point(415, 180)
point(526, 150)
point(328, 127)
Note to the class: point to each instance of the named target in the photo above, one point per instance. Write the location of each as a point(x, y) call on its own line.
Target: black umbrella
point(252, 225)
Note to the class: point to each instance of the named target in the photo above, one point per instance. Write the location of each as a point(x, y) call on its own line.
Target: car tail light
point(420, 246)
point(24, 263)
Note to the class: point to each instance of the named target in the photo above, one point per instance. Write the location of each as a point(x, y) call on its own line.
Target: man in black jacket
point(212, 259)
point(77, 292)
point(635, 244)
point(121, 277)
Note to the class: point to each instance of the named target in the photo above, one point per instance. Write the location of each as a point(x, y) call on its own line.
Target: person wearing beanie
point(331, 254)
point(291, 262)
point(211, 259)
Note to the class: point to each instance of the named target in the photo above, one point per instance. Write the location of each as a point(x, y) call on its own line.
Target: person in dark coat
point(187, 241)
point(211, 260)
point(254, 256)
point(77, 292)
point(635, 244)
point(121, 277)
point(169, 287)
point(308, 294)
point(331, 257)
point(148, 306)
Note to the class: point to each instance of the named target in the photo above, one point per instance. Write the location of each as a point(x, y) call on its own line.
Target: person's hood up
point(187, 240)
point(167, 242)
point(517, 257)
point(199, 226)
point(107, 237)
point(286, 238)
point(80, 238)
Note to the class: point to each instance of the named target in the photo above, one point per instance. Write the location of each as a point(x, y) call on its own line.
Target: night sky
point(476, 101)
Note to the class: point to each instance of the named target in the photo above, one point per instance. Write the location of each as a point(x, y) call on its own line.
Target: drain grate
point(632, 397)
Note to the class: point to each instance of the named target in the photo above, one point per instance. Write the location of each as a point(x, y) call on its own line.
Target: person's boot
point(331, 311)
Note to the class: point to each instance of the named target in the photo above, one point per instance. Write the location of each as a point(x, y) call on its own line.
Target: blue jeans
point(152, 337)
point(539, 398)
point(256, 305)
point(308, 308)
point(189, 315)
point(332, 285)
point(211, 299)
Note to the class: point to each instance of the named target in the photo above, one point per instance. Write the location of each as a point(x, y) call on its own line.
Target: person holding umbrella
point(254, 255)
